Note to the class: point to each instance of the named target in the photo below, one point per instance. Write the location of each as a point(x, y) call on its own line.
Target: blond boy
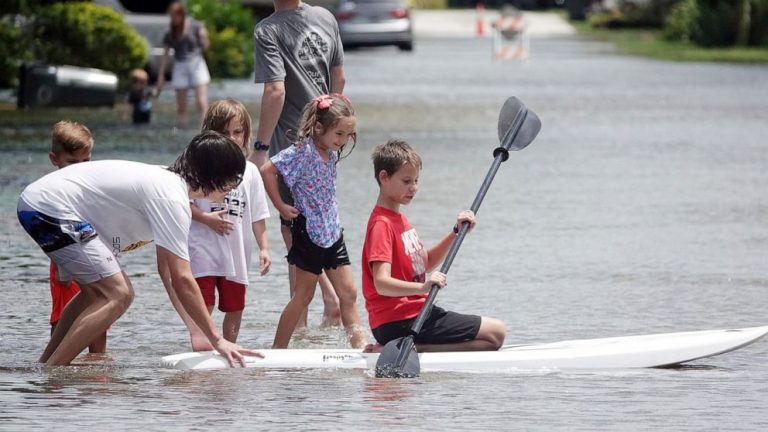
point(71, 143)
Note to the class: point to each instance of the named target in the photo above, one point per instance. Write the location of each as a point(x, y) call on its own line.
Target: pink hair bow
point(324, 101)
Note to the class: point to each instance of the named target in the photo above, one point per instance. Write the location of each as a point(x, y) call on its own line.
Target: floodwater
point(641, 208)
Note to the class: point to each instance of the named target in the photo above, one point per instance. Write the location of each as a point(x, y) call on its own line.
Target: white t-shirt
point(128, 203)
point(229, 255)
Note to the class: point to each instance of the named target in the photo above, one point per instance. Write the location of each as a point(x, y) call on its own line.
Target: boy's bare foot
point(373, 348)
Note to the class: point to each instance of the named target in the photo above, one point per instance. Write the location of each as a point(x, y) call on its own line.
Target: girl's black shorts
point(310, 257)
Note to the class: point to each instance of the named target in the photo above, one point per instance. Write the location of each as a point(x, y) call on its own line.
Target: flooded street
point(642, 207)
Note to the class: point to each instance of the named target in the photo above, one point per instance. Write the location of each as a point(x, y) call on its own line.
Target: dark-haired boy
point(85, 215)
point(395, 262)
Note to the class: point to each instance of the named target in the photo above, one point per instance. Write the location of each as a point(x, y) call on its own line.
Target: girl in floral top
point(309, 169)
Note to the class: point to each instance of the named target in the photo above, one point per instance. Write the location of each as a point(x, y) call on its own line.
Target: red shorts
point(231, 294)
point(61, 293)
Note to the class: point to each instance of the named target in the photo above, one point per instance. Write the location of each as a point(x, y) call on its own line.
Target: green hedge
point(682, 22)
point(230, 27)
point(11, 54)
point(88, 35)
point(635, 14)
point(719, 23)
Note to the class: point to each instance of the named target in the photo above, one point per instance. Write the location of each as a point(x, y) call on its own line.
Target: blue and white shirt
point(312, 181)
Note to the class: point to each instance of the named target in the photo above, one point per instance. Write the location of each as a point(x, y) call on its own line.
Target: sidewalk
point(462, 23)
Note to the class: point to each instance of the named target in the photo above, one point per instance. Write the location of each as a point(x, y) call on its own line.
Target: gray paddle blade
point(518, 126)
point(398, 359)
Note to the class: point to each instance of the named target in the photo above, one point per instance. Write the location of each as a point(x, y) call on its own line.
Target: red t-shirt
point(390, 238)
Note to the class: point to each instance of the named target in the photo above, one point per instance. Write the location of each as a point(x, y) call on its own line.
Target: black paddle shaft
point(501, 154)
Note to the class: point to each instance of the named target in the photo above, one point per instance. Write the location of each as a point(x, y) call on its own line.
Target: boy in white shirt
point(85, 215)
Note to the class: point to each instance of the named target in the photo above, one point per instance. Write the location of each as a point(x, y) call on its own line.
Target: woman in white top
point(85, 215)
point(188, 38)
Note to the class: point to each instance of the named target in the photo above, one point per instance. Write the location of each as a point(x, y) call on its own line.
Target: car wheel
point(406, 46)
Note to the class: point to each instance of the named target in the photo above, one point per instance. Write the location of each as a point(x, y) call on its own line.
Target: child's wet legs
point(231, 325)
point(343, 281)
point(305, 290)
point(331, 309)
point(492, 332)
point(100, 304)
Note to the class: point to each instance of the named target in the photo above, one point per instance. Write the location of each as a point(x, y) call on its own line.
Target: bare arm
point(269, 176)
point(338, 79)
point(213, 220)
point(388, 286)
point(205, 42)
point(437, 253)
point(161, 71)
point(260, 232)
point(271, 107)
point(185, 294)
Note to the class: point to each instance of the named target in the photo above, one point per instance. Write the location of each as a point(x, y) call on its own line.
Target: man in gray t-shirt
point(299, 56)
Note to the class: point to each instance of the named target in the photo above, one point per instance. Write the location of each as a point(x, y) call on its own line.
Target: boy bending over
point(395, 266)
point(71, 143)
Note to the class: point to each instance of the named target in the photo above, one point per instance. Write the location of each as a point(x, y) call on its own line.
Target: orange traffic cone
point(480, 24)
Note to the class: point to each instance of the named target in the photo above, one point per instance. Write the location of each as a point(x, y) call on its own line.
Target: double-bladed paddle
point(517, 128)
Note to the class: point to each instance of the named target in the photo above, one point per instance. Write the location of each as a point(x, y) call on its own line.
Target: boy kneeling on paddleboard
point(395, 262)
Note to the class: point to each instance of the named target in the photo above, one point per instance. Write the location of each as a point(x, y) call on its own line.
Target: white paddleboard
point(644, 351)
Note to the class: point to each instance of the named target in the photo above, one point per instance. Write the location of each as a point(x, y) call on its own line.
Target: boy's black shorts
point(441, 327)
point(310, 257)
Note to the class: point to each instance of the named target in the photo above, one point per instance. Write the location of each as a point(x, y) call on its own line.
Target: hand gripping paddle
point(518, 126)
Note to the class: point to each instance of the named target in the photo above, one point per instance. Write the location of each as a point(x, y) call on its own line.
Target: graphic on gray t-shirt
point(298, 47)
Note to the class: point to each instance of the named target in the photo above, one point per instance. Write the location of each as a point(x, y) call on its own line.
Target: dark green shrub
point(716, 23)
point(648, 14)
point(635, 14)
point(758, 35)
point(88, 35)
point(11, 54)
point(682, 21)
point(230, 27)
point(228, 56)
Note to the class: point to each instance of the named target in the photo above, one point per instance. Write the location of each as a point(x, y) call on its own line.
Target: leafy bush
point(712, 23)
point(758, 35)
point(682, 21)
point(228, 57)
point(11, 54)
point(88, 35)
point(635, 14)
point(716, 23)
point(230, 27)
